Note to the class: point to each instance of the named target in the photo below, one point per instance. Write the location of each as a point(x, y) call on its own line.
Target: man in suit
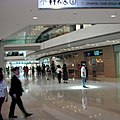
point(16, 93)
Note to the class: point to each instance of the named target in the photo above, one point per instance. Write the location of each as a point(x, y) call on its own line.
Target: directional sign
point(58, 4)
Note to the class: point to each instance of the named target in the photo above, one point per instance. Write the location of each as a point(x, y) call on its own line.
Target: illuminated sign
point(57, 4)
point(93, 53)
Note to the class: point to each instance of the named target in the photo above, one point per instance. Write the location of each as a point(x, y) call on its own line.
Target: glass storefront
point(21, 64)
point(71, 59)
point(94, 61)
point(117, 59)
point(95, 64)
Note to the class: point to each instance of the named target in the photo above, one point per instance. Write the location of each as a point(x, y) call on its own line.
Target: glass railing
point(26, 35)
point(60, 30)
point(39, 34)
point(55, 32)
point(20, 40)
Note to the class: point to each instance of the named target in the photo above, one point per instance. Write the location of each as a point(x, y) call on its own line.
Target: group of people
point(16, 89)
point(57, 70)
point(61, 71)
point(26, 70)
point(15, 92)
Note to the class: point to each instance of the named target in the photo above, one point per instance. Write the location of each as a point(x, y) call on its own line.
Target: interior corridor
point(49, 100)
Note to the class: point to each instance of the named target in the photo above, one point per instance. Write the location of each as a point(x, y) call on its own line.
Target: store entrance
point(95, 66)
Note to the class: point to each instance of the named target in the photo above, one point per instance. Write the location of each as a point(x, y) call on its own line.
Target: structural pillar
point(2, 53)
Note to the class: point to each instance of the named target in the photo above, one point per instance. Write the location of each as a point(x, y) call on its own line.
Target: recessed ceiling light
point(113, 16)
point(35, 18)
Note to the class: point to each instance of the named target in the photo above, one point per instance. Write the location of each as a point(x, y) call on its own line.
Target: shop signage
point(59, 4)
point(93, 53)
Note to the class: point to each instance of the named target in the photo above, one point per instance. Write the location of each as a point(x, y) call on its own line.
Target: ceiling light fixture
point(113, 16)
point(35, 18)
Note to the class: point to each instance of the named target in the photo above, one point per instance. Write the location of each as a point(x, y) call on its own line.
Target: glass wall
point(94, 60)
point(55, 31)
point(117, 59)
point(38, 33)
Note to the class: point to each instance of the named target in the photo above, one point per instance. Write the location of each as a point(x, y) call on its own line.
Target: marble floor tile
point(49, 100)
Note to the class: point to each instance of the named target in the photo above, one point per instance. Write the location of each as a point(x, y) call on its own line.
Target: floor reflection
point(84, 98)
point(49, 100)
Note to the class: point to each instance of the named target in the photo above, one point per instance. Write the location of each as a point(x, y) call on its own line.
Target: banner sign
point(58, 4)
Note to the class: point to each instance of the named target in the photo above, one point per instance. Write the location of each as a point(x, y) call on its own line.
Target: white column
point(2, 54)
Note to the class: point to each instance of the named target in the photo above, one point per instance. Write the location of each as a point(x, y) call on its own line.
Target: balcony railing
point(38, 34)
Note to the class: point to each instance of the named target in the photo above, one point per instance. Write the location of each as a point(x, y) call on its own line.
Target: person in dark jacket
point(16, 93)
point(53, 69)
point(65, 73)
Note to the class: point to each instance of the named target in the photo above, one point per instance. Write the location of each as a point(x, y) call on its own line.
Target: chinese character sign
point(57, 4)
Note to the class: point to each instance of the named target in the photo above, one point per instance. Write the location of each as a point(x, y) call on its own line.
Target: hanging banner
point(59, 4)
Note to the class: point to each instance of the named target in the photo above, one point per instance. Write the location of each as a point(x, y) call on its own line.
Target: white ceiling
point(17, 14)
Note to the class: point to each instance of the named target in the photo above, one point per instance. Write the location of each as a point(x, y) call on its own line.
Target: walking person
point(43, 69)
point(38, 69)
point(33, 71)
point(65, 73)
point(3, 92)
point(16, 93)
point(59, 72)
point(47, 72)
point(53, 69)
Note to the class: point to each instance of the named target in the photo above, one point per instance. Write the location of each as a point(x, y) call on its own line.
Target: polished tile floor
point(49, 100)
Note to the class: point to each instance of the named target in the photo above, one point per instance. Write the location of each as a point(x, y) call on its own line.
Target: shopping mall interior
point(36, 33)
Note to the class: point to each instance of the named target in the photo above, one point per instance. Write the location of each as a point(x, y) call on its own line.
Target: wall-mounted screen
point(93, 53)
